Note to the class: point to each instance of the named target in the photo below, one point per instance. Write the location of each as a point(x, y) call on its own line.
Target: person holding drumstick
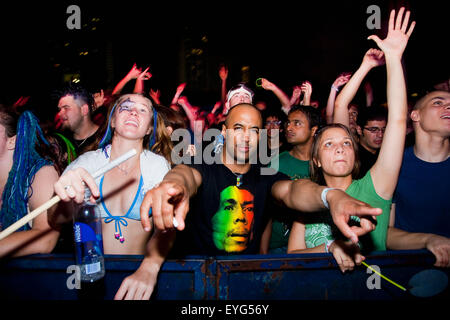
point(133, 123)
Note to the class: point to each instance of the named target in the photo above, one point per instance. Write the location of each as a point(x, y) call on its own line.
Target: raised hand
point(144, 75)
point(374, 58)
point(223, 73)
point(134, 72)
point(267, 85)
point(155, 95)
point(99, 99)
point(342, 79)
point(306, 88)
point(398, 34)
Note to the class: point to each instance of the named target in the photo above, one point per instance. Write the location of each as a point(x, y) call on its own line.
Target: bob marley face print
point(232, 224)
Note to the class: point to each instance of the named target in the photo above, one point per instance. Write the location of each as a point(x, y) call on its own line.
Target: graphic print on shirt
point(233, 222)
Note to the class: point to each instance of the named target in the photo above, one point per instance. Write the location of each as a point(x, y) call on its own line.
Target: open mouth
point(132, 123)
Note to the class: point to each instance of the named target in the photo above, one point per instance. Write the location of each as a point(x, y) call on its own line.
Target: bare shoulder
point(46, 175)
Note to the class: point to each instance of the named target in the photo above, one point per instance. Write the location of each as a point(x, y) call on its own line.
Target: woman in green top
point(335, 160)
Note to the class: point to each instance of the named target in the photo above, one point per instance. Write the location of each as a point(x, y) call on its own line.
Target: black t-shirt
point(225, 218)
point(81, 145)
point(367, 160)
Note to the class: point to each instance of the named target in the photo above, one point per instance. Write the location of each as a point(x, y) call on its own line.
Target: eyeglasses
point(376, 129)
point(275, 123)
point(296, 123)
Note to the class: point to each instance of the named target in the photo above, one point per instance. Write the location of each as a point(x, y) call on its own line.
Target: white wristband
point(323, 196)
point(335, 88)
point(328, 245)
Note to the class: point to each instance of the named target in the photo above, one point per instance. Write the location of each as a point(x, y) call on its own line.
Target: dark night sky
point(284, 41)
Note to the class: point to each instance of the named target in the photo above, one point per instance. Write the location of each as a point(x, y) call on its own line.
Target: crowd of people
point(345, 179)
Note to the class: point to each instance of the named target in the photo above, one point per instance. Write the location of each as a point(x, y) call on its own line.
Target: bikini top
point(132, 213)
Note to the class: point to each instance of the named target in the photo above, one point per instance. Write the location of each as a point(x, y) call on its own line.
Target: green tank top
point(363, 190)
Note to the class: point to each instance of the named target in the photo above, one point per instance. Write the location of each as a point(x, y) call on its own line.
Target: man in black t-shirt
point(208, 230)
point(75, 108)
point(371, 124)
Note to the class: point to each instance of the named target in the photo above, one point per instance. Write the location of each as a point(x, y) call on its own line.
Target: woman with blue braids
point(26, 179)
point(133, 122)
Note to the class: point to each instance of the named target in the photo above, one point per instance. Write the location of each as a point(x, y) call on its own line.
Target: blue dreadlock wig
point(26, 163)
point(107, 138)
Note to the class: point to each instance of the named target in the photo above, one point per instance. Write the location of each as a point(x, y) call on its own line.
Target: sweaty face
point(433, 116)
point(297, 128)
point(69, 113)
point(132, 117)
point(372, 134)
point(241, 132)
point(232, 224)
point(336, 155)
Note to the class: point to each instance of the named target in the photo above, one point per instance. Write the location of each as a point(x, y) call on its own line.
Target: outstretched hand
point(168, 200)
point(398, 34)
point(343, 206)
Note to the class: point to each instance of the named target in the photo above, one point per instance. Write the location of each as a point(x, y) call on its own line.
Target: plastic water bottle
point(87, 227)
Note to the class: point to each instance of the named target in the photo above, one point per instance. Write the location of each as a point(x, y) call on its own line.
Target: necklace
point(238, 178)
point(79, 144)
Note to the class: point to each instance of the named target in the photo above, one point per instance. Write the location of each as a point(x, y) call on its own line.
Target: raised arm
point(189, 110)
point(171, 198)
point(306, 88)
point(335, 87)
point(372, 59)
point(139, 85)
point(223, 74)
point(284, 99)
point(386, 169)
point(180, 89)
point(132, 74)
point(295, 98)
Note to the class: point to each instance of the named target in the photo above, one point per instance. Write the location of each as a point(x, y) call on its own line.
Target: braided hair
point(26, 162)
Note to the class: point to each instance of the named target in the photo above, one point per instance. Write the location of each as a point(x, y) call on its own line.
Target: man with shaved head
point(226, 200)
point(420, 213)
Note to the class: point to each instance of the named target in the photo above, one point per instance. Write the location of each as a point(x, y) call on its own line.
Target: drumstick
point(33, 214)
